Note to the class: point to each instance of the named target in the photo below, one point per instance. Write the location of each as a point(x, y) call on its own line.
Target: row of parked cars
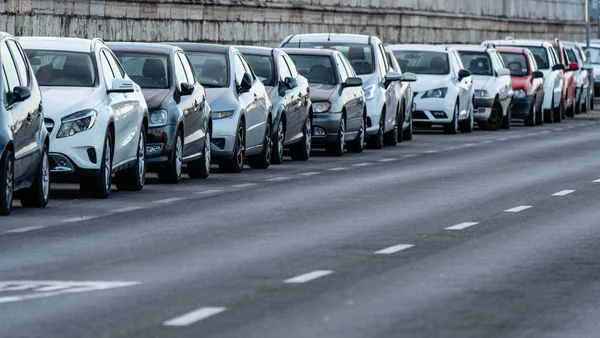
point(96, 113)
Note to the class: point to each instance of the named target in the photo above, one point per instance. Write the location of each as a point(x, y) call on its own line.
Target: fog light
point(439, 114)
point(62, 163)
point(153, 149)
point(481, 110)
point(318, 131)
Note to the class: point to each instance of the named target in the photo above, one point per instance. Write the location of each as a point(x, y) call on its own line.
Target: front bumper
point(521, 107)
point(223, 138)
point(326, 127)
point(483, 108)
point(433, 111)
point(64, 169)
point(374, 108)
point(81, 151)
point(160, 143)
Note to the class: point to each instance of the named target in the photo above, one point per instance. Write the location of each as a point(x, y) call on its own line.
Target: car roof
point(154, 48)
point(55, 43)
point(505, 49)
point(255, 50)
point(4, 34)
point(471, 48)
point(522, 42)
point(421, 47)
point(330, 37)
point(201, 47)
point(309, 51)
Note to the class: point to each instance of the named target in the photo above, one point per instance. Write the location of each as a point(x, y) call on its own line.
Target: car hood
point(480, 81)
point(155, 97)
point(63, 101)
point(321, 92)
point(220, 99)
point(427, 82)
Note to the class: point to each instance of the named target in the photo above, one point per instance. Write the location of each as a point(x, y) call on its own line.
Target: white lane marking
point(469, 145)
point(461, 226)
point(307, 277)
point(278, 179)
point(545, 132)
point(394, 249)
point(310, 173)
point(487, 141)
point(519, 208)
point(338, 169)
point(363, 164)
point(502, 139)
point(195, 316)
point(208, 192)
point(596, 181)
point(431, 151)
point(563, 193)
point(127, 209)
point(43, 289)
point(25, 229)
point(410, 155)
point(170, 200)
point(78, 219)
point(243, 185)
point(387, 159)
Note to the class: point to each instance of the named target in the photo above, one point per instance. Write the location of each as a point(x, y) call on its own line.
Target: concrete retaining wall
point(268, 22)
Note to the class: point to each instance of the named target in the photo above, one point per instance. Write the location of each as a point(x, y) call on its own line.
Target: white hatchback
point(96, 116)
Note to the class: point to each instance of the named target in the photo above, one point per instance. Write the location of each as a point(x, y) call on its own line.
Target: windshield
point(62, 69)
point(478, 63)
point(211, 68)
point(540, 55)
point(594, 55)
point(359, 55)
point(516, 63)
point(149, 71)
point(423, 62)
point(316, 69)
point(262, 67)
point(571, 55)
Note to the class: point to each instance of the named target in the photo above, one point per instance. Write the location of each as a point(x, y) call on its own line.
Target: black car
point(338, 100)
point(180, 124)
point(289, 94)
point(24, 165)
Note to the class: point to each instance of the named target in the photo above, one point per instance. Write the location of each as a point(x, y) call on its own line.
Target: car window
point(263, 68)
point(341, 69)
point(291, 66)
point(533, 63)
point(63, 68)
point(189, 73)
point(382, 61)
point(478, 63)
point(210, 68)
point(247, 68)
point(349, 69)
point(4, 84)
point(500, 62)
point(239, 70)
point(107, 72)
point(360, 56)
point(316, 69)
point(19, 62)
point(9, 68)
point(114, 65)
point(423, 62)
point(516, 63)
point(284, 71)
point(147, 70)
point(571, 55)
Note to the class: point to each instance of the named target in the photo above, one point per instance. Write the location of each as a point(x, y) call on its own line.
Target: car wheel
point(263, 160)
point(407, 134)
point(200, 168)
point(236, 163)
point(301, 150)
point(507, 120)
point(172, 172)
point(358, 144)
point(558, 113)
point(549, 113)
point(391, 137)
point(586, 105)
point(578, 106)
point(592, 101)
point(531, 117)
point(99, 186)
point(337, 148)
point(571, 111)
point(376, 141)
point(452, 127)
point(6, 182)
point(466, 126)
point(495, 119)
point(134, 178)
point(277, 156)
point(38, 194)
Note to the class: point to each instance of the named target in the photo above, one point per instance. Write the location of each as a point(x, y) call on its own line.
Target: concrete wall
point(268, 22)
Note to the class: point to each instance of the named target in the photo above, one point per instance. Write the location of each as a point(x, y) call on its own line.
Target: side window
point(284, 71)
point(499, 60)
point(179, 71)
point(349, 69)
point(455, 63)
point(533, 63)
point(239, 70)
point(106, 69)
point(341, 68)
point(189, 72)
point(247, 68)
point(382, 60)
point(118, 71)
point(19, 62)
point(9, 68)
point(4, 83)
point(291, 66)
point(554, 56)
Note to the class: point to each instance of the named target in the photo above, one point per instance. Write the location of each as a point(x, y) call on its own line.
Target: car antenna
point(329, 36)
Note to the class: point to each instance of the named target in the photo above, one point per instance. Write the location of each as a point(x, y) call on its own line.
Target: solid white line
point(387, 159)
point(363, 164)
point(278, 179)
point(244, 185)
point(394, 249)
point(596, 181)
point(519, 208)
point(169, 200)
point(78, 219)
point(208, 192)
point(461, 226)
point(310, 173)
point(563, 193)
point(431, 151)
point(194, 316)
point(127, 209)
point(25, 229)
point(338, 169)
point(307, 277)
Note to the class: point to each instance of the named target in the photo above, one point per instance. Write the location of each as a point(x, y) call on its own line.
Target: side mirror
point(18, 94)
point(573, 66)
point(246, 84)
point(121, 86)
point(391, 77)
point(353, 82)
point(503, 72)
point(409, 77)
point(558, 66)
point(463, 73)
point(186, 89)
point(290, 82)
point(538, 75)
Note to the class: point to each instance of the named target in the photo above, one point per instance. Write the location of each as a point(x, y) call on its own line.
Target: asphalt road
point(489, 234)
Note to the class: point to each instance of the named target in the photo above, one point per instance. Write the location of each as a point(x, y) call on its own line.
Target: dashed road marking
point(596, 181)
point(519, 208)
point(195, 316)
point(170, 200)
point(338, 169)
point(461, 226)
point(365, 164)
point(502, 139)
point(208, 192)
point(388, 159)
point(127, 209)
point(431, 151)
point(487, 141)
point(411, 155)
point(307, 277)
point(43, 289)
point(394, 249)
point(277, 179)
point(563, 193)
point(310, 173)
point(26, 229)
point(78, 219)
point(243, 185)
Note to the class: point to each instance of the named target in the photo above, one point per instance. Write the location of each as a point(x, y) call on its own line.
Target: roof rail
point(94, 41)
point(509, 38)
point(490, 45)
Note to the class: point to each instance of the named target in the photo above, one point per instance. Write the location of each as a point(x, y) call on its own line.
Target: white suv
point(492, 83)
point(97, 117)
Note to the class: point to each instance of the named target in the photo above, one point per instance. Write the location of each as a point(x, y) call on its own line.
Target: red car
point(569, 82)
point(527, 84)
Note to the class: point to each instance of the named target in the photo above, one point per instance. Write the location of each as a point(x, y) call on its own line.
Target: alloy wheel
point(178, 156)
point(280, 137)
point(142, 158)
point(342, 134)
point(240, 150)
point(8, 193)
point(107, 165)
point(308, 136)
point(207, 151)
point(45, 176)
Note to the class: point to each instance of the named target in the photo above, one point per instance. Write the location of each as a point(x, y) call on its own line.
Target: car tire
point(337, 148)
point(571, 111)
point(390, 138)
point(278, 139)
point(507, 120)
point(263, 160)
point(495, 119)
point(236, 163)
point(558, 113)
point(466, 126)
point(549, 113)
point(592, 101)
point(531, 117)
point(134, 178)
point(171, 174)
point(100, 185)
point(376, 141)
point(586, 105)
point(578, 106)
point(38, 194)
point(358, 144)
point(7, 182)
point(539, 115)
point(452, 127)
point(200, 168)
point(407, 134)
point(301, 150)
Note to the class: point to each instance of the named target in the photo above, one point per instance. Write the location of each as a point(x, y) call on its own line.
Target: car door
point(357, 92)
point(246, 100)
point(259, 108)
point(200, 110)
point(557, 76)
point(290, 100)
point(391, 92)
point(464, 85)
point(300, 99)
point(352, 123)
point(503, 82)
point(189, 106)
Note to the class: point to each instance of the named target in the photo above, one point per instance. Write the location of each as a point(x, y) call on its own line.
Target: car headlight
point(438, 93)
point(370, 92)
point(158, 118)
point(519, 93)
point(481, 93)
point(320, 107)
point(76, 123)
point(221, 114)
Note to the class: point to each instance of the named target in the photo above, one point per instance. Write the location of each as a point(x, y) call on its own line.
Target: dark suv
point(24, 166)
